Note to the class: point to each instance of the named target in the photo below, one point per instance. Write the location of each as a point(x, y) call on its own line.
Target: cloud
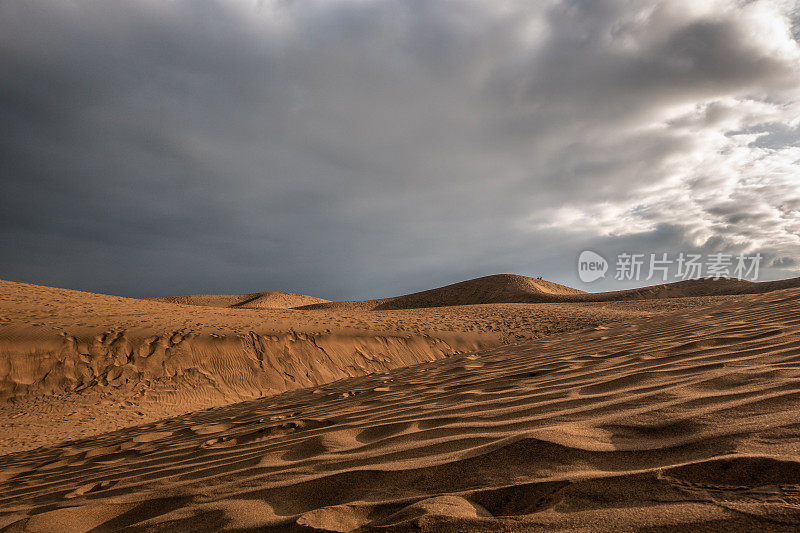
point(355, 149)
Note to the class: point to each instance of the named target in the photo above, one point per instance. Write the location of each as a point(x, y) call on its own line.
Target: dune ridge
point(512, 288)
point(497, 288)
point(493, 289)
point(231, 367)
point(55, 341)
point(255, 300)
point(693, 288)
point(684, 419)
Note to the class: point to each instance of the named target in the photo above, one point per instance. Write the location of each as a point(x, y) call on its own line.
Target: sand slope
point(694, 287)
point(511, 288)
point(497, 288)
point(256, 300)
point(76, 364)
point(684, 419)
point(55, 341)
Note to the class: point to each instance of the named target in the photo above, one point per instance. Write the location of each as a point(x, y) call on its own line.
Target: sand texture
point(256, 300)
point(678, 412)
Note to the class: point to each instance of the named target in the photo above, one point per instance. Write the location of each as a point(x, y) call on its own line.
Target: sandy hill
point(497, 288)
point(59, 341)
point(256, 300)
point(511, 288)
point(694, 287)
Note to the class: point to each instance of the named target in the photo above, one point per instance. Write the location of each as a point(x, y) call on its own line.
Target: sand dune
point(676, 413)
point(98, 363)
point(498, 288)
point(694, 287)
point(680, 419)
point(256, 300)
point(510, 288)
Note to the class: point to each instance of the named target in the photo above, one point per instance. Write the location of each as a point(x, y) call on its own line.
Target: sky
point(353, 149)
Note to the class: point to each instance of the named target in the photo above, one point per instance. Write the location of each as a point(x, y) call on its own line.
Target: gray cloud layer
point(350, 149)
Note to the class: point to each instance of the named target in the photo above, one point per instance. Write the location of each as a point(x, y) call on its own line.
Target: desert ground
point(503, 403)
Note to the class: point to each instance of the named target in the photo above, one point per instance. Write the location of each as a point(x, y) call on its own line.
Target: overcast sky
point(365, 148)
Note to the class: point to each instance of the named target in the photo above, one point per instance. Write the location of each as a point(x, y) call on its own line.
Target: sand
point(511, 288)
point(256, 300)
point(75, 364)
point(637, 414)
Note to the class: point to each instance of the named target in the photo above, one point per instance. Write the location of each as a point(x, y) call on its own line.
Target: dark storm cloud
point(358, 149)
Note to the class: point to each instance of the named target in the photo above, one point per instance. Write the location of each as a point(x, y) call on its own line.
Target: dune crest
point(57, 341)
point(497, 288)
point(256, 300)
point(512, 288)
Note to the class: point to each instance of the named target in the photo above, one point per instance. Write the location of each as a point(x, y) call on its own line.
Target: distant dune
point(511, 288)
point(498, 288)
point(256, 300)
point(693, 287)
